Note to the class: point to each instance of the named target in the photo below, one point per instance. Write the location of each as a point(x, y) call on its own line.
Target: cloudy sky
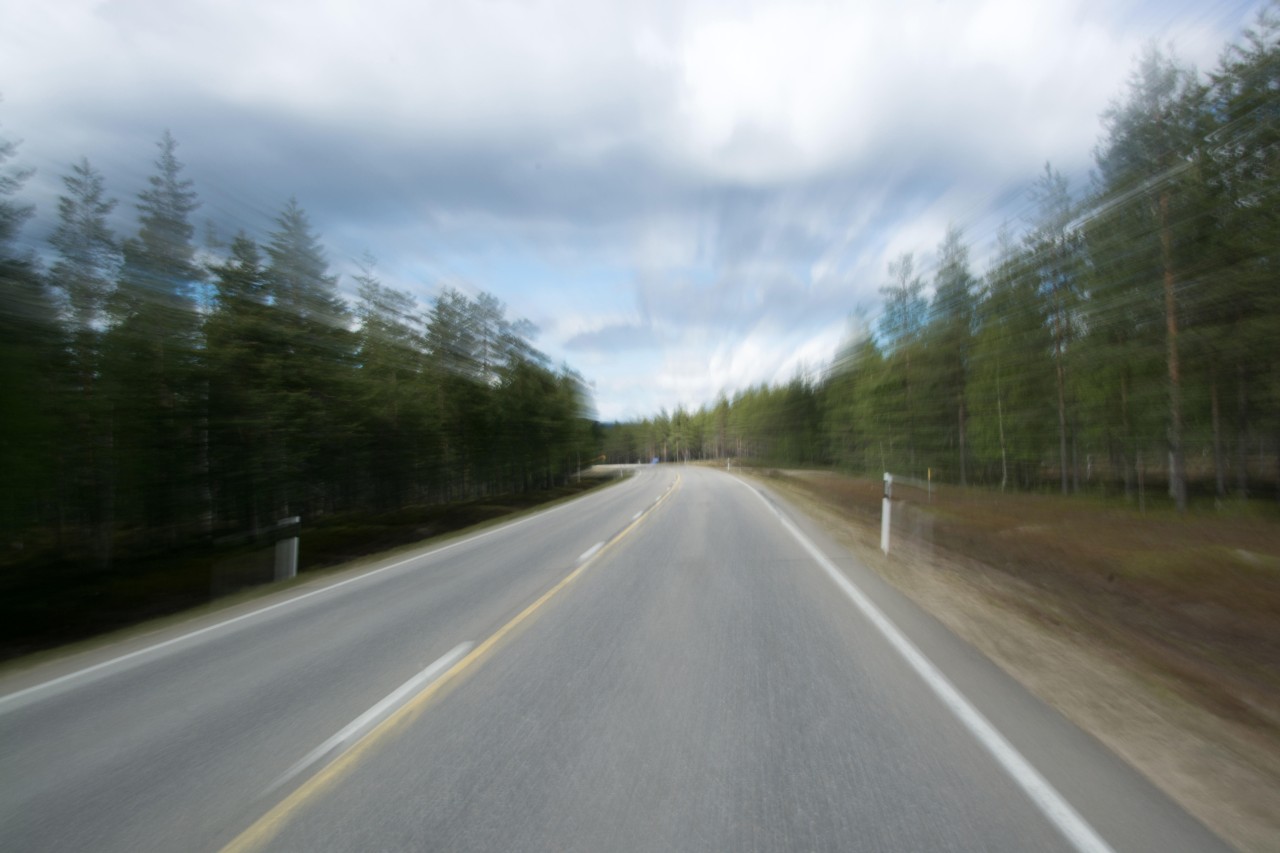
point(684, 197)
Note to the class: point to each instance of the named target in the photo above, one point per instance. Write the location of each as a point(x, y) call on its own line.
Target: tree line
point(158, 393)
point(1131, 335)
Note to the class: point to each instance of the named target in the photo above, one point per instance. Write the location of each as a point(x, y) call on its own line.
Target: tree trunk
point(1142, 491)
point(963, 481)
point(1075, 456)
point(204, 474)
point(1242, 435)
point(1062, 422)
point(1004, 459)
point(1127, 438)
point(106, 528)
point(1219, 470)
point(911, 423)
point(1178, 474)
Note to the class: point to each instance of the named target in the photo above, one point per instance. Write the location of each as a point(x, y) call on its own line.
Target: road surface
point(680, 662)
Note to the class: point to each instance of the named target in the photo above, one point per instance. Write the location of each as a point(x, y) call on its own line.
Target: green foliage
point(13, 213)
point(182, 420)
point(30, 346)
point(1241, 300)
point(948, 362)
point(151, 398)
point(245, 346)
point(150, 364)
point(905, 308)
point(1126, 343)
point(1009, 397)
point(84, 274)
point(88, 255)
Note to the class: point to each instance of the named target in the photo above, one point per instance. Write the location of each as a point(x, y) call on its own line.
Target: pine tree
point(1013, 368)
point(901, 325)
point(389, 355)
point(244, 350)
point(30, 344)
point(1055, 251)
point(88, 254)
point(1147, 168)
point(1243, 166)
point(316, 365)
point(151, 361)
point(950, 335)
point(88, 262)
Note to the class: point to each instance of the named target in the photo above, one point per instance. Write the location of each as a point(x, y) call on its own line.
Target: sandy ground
point(1223, 772)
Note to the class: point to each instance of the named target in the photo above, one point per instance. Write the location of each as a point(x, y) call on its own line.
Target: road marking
point(54, 686)
point(264, 829)
point(1052, 804)
point(637, 515)
point(591, 552)
point(362, 724)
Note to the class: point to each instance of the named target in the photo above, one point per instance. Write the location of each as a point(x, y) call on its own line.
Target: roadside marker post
point(287, 530)
point(884, 512)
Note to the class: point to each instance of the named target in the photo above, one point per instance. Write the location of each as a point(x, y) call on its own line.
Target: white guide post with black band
point(884, 512)
point(287, 531)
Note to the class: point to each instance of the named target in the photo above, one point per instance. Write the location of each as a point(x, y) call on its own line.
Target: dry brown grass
point(1157, 633)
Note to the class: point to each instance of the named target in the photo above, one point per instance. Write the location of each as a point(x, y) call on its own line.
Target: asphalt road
point(680, 662)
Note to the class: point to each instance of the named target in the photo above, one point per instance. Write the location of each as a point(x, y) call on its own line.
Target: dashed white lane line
point(364, 723)
point(71, 680)
point(589, 553)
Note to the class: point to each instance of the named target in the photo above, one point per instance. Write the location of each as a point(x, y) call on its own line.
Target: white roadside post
point(884, 513)
point(287, 547)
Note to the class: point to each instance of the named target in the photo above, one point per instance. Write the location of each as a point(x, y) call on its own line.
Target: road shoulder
point(1193, 756)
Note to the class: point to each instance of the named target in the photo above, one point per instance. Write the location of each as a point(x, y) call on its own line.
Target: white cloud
point(727, 180)
point(784, 91)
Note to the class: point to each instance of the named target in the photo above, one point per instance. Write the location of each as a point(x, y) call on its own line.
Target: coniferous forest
point(1127, 339)
point(160, 395)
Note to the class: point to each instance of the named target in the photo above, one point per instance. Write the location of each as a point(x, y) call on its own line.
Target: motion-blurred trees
point(150, 363)
point(901, 327)
point(949, 338)
point(88, 262)
point(1128, 336)
point(315, 367)
point(1054, 251)
point(154, 394)
point(1151, 198)
point(1243, 300)
point(392, 413)
point(1012, 371)
point(199, 395)
point(244, 346)
point(30, 344)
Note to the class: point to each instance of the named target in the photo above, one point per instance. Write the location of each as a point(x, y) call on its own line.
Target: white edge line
point(1052, 804)
point(590, 552)
point(366, 721)
point(637, 515)
point(32, 692)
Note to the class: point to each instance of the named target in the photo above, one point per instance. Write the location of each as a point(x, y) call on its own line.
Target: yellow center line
point(265, 828)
